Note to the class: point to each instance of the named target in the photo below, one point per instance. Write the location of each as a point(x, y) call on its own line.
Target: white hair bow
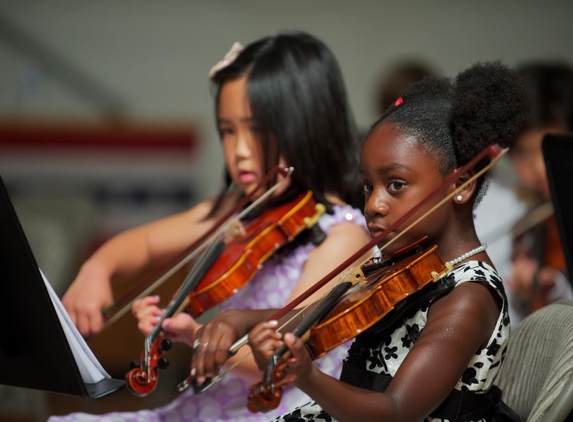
point(229, 58)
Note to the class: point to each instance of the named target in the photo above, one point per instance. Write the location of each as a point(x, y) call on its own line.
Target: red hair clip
point(398, 102)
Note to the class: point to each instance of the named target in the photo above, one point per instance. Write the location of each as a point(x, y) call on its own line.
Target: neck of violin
point(191, 281)
point(301, 331)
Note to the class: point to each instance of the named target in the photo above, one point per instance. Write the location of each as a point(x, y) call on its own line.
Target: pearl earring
point(459, 198)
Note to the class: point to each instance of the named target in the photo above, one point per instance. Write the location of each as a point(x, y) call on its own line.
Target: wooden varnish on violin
point(346, 313)
point(368, 302)
point(554, 256)
point(249, 246)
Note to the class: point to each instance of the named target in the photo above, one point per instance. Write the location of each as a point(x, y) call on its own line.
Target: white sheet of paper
point(90, 368)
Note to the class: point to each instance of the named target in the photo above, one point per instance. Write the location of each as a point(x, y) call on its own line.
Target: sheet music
point(90, 368)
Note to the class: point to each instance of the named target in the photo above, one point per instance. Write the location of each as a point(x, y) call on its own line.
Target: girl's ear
point(465, 193)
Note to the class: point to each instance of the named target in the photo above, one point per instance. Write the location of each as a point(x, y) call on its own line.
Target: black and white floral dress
point(385, 353)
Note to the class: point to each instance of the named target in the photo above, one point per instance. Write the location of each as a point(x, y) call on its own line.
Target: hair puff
point(489, 106)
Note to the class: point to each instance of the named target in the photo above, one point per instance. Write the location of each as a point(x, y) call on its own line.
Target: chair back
point(536, 376)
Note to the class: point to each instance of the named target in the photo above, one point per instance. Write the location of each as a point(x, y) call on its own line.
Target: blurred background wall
point(106, 113)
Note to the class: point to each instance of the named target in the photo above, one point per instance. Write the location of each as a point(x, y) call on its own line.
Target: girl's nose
point(376, 206)
point(243, 145)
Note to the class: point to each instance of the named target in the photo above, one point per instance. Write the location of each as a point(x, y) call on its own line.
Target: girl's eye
point(225, 131)
point(396, 185)
point(367, 187)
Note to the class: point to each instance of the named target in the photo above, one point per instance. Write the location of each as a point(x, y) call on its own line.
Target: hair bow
point(229, 58)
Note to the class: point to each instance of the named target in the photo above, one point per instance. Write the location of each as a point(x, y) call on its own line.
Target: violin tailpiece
point(311, 221)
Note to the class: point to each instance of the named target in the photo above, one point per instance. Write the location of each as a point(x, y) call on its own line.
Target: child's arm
point(126, 254)
point(457, 326)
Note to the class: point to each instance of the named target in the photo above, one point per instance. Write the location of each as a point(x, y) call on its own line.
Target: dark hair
point(550, 90)
point(456, 120)
point(298, 101)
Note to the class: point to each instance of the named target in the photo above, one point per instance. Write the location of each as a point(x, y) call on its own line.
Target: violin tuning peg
point(166, 344)
point(162, 363)
point(134, 364)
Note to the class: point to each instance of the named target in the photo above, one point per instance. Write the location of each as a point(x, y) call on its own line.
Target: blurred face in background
point(527, 158)
point(239, 135)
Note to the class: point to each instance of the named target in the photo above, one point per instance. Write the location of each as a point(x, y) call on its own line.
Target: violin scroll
point(142, 379)
point(266, 395)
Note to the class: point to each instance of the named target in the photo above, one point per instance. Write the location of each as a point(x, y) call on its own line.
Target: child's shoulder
point(478, 294)
point(342, 215)
point(346, 233)
point(345, 225)
point(477, 271)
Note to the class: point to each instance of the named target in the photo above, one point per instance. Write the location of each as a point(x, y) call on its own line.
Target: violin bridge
point(352, 275)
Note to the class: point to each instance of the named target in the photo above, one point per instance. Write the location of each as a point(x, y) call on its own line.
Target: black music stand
point(558, 156)
point(34, 351)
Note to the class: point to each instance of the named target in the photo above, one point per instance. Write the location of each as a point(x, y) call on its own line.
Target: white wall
point(155, 54)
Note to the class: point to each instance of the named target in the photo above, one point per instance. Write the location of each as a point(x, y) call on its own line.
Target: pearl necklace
point(473, 252)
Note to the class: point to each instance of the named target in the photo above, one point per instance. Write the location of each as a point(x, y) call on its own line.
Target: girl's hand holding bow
point(211, 347)
point(214, 339)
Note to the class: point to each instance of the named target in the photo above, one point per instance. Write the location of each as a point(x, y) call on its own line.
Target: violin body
point(543, 244)
point(246, 251)
point(372, 299)
point(554, 255)
point(377, 293)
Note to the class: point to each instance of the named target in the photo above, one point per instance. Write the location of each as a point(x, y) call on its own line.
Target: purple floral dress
point(226, 401)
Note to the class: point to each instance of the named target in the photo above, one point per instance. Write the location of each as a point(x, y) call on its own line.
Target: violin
point(230, 262)
point(542, 243)
point(349, 277)
point(249, 247)
point(348, 311)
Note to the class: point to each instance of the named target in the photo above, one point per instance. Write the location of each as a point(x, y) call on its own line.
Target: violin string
point(345, 274)
point(208, 242)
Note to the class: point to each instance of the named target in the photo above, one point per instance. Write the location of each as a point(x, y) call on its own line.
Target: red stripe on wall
point(34, 137)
